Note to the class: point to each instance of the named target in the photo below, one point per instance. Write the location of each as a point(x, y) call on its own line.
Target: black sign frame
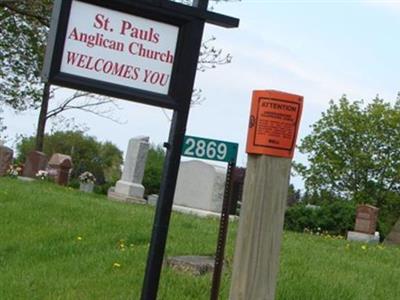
point(168, 13)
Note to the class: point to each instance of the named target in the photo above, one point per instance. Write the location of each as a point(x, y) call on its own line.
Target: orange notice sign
point(274, 123)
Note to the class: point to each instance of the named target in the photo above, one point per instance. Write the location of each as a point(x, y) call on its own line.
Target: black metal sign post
point(204, 148)
point(223, 230)
point(71, 62)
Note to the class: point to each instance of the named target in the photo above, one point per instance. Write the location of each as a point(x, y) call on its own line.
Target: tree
point(24, 29)
point(293, 196)
point(101, 159)
point(153, 169)
point(2, 127)
point(25, 24)
point(354, 152)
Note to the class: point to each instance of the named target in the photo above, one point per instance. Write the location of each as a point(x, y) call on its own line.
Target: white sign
point(119, 48)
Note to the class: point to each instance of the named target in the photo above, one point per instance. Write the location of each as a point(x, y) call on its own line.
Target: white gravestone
point(200, 186)
point(129, 188)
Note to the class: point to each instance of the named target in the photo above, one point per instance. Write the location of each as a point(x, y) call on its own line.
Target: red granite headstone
point(6, 157)
point(366, 219)
point(35, 161)
point(59, 168)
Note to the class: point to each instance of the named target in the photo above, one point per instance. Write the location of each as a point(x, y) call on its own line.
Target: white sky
point(318, 49)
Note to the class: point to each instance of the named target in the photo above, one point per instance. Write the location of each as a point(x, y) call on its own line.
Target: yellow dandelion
point(116, 265)
point(364, 247)
point(79, 238)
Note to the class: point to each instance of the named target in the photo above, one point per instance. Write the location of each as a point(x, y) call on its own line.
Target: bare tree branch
point(210, 56)
point(98, 105)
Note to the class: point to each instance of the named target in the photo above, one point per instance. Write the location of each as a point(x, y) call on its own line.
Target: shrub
point(103, 188)
point(334, 217)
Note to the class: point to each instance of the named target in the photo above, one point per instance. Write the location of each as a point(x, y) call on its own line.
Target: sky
point(317, 49)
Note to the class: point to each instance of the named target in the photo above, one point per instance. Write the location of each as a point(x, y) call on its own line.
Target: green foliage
point(24, 27)
point(334, 217)
point(153, 170)
point(354, 151)
point(103, 160)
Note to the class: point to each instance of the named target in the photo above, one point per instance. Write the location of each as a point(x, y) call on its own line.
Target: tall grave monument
point(129, 188)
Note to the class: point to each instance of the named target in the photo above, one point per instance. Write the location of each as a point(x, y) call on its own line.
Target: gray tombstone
point(200, 186)
point(129, 188)
point(35, 161)
point(6, 157)
point(152, 199)
point(393, 237)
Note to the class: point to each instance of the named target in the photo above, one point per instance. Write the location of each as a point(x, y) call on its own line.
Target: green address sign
point(209, 149)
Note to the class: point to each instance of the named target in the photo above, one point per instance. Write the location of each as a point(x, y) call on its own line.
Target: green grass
point(57, 243)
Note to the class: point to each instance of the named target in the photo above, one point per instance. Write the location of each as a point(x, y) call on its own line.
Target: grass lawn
point(57, 243)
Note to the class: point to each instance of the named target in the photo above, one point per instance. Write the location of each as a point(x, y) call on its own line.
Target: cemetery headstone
point(152, 199)
point(35, 161)
point(393, 237)
point(237, 189)
point(60, 166)
point(196, 265)
point(366, 219)
point(6, 157)
point(365, 227)
point(86, 187)
point(129, 188)
point(200, 186)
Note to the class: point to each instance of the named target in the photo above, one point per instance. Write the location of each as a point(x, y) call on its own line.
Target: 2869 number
point(205, 149)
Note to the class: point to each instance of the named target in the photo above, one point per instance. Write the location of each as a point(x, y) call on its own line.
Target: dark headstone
point(196, 265)
point(366, 219)
point(6, 157)
point(35, 161)
point(237, 188)
point(59, 168)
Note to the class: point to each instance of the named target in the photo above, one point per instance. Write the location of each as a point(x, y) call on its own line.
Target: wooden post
point(256, 260)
